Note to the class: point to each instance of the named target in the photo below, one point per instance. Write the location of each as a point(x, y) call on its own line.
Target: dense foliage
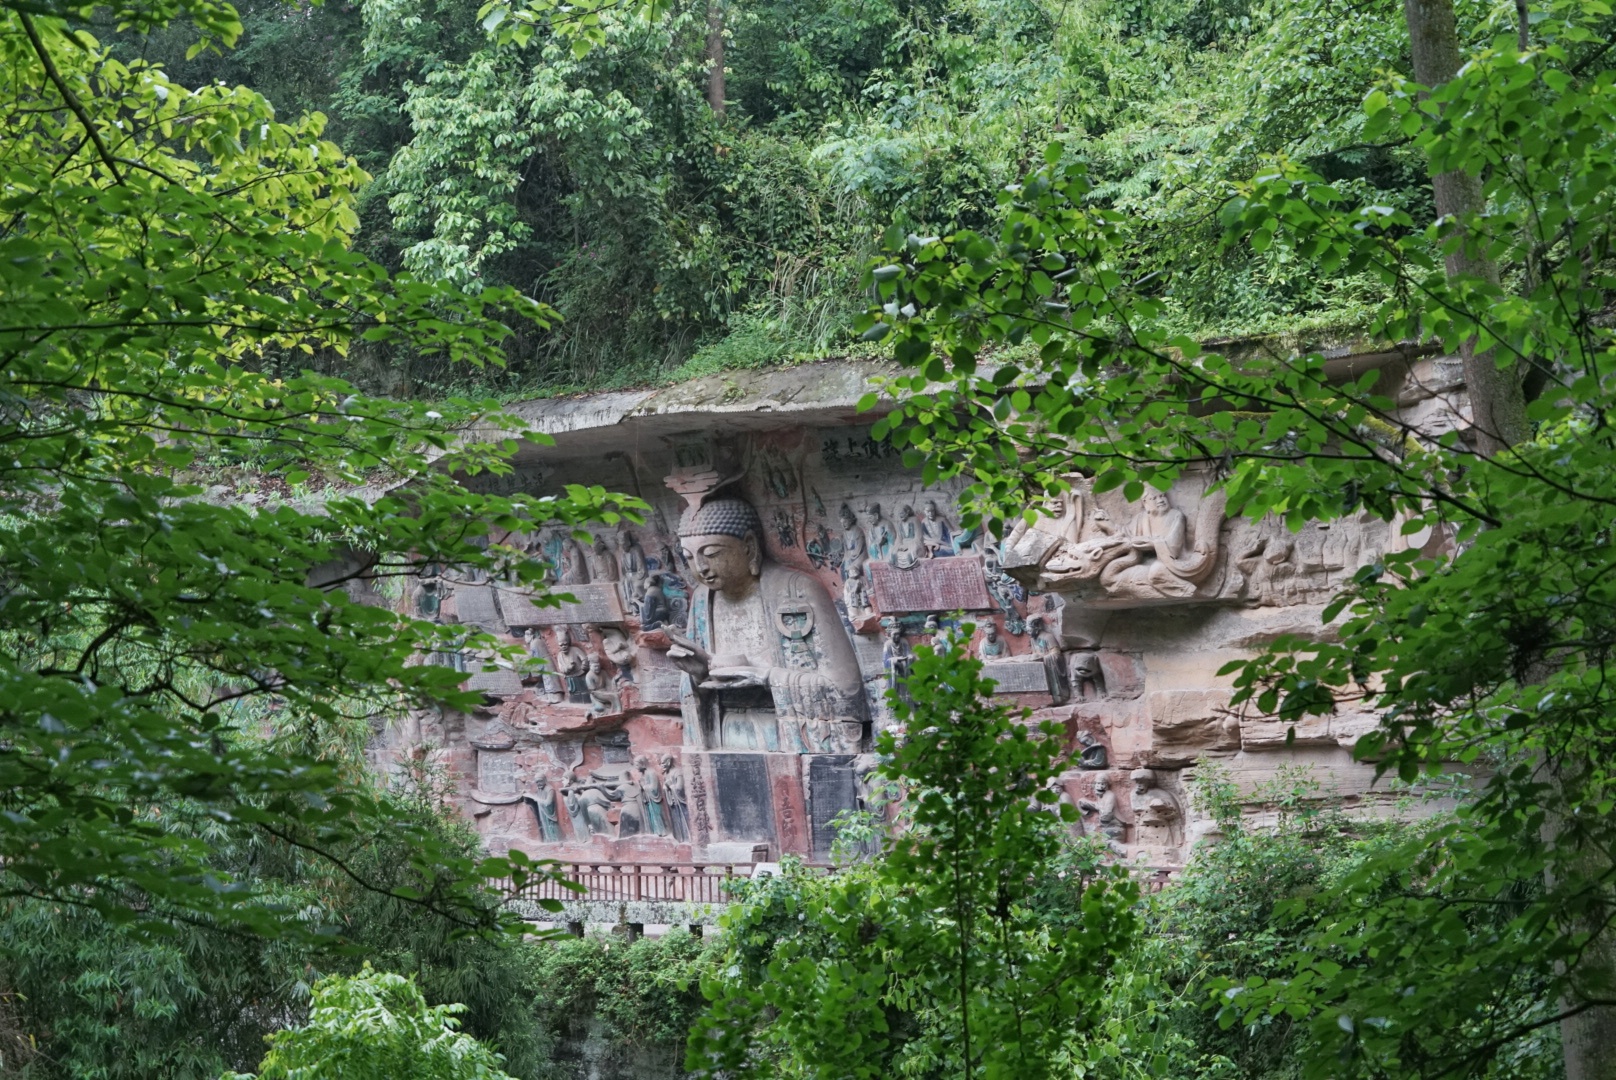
point(605, 185)
point(928, 960)
point(1493, 648)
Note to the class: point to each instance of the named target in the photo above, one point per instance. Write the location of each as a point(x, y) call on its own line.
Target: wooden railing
point(679, 883)
point(684, 883)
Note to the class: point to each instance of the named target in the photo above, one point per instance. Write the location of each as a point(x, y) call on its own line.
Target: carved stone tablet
point(474, 606)
point(502, 683)
point(832, 788)
point(741, 782)
point(594, 604)
point(496, 772)
point(947, 584)
point(660, 686)
point(1017, 677)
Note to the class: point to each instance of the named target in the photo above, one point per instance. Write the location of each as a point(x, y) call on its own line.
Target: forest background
point(676, 230)
point(675, 240)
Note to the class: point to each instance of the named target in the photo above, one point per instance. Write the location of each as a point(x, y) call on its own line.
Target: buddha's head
point(723, 542)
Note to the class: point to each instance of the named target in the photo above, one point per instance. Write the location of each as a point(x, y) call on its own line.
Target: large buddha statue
point(767, 662)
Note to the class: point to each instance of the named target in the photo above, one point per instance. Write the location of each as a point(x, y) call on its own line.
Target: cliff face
point(694, 717)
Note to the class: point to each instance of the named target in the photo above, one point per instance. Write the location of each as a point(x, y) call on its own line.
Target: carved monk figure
point(571, 661)
point(878, 534)
point(651, 785)
point(908, 548)
point(631, 561)
point(936, 536)
point(853, 547)
point(673, 794)
point(543, 801)
point(606, 568)
point(765, 642)
point(1111, 826)
point(992, 646)
point(855, 594)
point(574, 567)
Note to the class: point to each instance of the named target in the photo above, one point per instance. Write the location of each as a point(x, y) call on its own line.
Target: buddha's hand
point(738, 677)
point(688, 656)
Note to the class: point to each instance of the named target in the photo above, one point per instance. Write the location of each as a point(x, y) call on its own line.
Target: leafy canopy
point(929, 959)
point(1495, 651)
point(374, 1026)
point(200, 560)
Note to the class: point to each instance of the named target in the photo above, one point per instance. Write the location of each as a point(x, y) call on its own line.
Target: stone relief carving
point(1157, 813)
point(632, 564)
point(854, 549)
point(1047, 648)
point(1088, 677)
point(574, 568)
point(825, 620)
point(908, 547)
point(540, 652)
point(603, 698)
point(545, 812)
point(878, 534)
point(856, 594)
point(1104, 809)
point(765, 643)
point(992, 647)
point(936, 534)
point(673, 794)
point(655, 610)
point(1160, 556)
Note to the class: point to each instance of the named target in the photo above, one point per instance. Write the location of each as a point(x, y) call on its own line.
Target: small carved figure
point(571, 662)
point(673, 797)
point(543, 801)
point(1088, 679)
point(897, 659)
point(1111, 827)
point(592, 801)
point(818, 547)
point(878, 534)
point(855, 594)
point(619, 650)
point(655, 611)
point(1093, 755)
point(936, 534)
point(652, 787)
point(854, 549)
point(1048, 649)
point(631, 562)
point(907, 547)
point(430, 600)
point(603, 701)
point(574, 567)
point(1158, 817)
point(1270, 576)
point(785, 532)
point(1004, 589)
point(605, 568)
point(992, 647)
point(550, 680)
point(625, 788)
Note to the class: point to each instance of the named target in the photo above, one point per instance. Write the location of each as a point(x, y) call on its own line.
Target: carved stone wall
point(687, 715)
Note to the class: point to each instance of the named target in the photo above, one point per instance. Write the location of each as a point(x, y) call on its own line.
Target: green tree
point(1496, 652)
point(192, 549)
point(376, 1026)
point(928, 960)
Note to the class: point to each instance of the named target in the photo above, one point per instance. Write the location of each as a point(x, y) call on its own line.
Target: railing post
point(638, 871)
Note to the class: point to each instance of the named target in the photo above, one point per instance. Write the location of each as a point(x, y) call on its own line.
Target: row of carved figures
point(648, 801)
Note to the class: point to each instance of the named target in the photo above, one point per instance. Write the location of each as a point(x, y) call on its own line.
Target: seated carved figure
point(767, 664)
point(1160, 556)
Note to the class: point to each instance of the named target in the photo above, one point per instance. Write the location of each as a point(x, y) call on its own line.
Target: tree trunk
point(715, 55)
point(1497, 400)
